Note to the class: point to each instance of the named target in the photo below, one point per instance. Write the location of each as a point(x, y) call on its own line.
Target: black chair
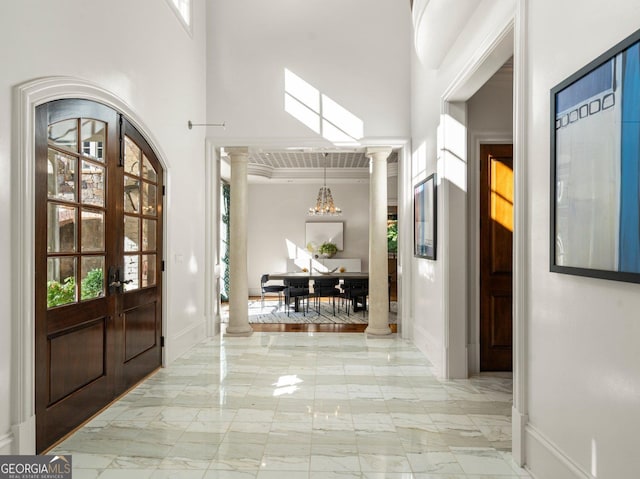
point(355, 293)
point(325, 288)
point(296, 289)
point(270, 288)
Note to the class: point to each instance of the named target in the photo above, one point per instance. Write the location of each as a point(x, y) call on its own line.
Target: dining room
point(285, 235)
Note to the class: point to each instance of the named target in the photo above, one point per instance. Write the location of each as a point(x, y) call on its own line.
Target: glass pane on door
point(92, 223)
point(64, 134)
point(131, 233)
point(93, 138)
point(93, 180)
point(61, 176)
point(131, 195)
point(148, 273)
point(131, 271)
point(61, 228)
point(92, 283)
point(61, 281)
point(132, 156)
point(149, 199)
point(148, 171)
point(148, 235)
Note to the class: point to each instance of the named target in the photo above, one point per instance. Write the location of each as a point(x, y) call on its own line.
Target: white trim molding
point(521, 235)
point(6, 443)
point(26, 97)
point(549, 459)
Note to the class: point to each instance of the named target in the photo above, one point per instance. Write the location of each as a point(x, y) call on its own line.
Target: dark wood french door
point(98, 255)
point(496, 263)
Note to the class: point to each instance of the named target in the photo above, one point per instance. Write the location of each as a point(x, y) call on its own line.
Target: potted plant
point(327, 249)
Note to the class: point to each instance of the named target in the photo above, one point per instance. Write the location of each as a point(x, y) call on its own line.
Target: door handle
point(115, 283)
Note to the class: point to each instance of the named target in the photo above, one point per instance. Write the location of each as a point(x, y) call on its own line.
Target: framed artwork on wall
point(317, 233)
point(424, 214)
point(595, 167)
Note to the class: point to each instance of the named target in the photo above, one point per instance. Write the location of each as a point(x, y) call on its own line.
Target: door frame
point(26, 97)
point(510, 37)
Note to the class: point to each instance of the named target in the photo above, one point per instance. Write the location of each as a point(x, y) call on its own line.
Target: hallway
point(301, 405)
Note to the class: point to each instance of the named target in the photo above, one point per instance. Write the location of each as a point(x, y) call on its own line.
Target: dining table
point(318, 275)
point(313, 275)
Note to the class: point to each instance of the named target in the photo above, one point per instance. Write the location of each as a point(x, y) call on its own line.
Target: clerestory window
point(183, 9)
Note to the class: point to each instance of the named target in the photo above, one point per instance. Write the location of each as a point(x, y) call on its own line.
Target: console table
point(351, 265)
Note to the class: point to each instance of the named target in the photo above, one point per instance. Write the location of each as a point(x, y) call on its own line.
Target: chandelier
point(324, 202)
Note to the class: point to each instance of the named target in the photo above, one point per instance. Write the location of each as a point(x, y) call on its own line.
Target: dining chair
point(325, 288)
point(355, 292)
point(270, 288)
point(296, 289)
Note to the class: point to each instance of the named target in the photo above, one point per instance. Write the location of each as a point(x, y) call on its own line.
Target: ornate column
point(238, 282)
point(378, 256)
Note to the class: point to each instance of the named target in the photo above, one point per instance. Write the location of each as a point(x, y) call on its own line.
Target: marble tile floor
point(301, 405)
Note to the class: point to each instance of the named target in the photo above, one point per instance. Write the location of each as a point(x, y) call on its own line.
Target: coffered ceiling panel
point(300, 159)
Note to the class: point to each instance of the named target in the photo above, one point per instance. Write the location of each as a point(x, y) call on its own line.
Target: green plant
point(328, 248)
point(92, 285)
point(392, 236)
point(64, 293)
point(61, 293)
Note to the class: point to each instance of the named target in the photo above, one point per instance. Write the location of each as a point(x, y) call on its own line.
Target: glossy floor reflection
point(301, 405)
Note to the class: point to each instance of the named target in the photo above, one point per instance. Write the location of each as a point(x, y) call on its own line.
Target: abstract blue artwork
point(595, 167)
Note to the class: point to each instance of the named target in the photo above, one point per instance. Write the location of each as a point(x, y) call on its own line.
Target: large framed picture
point(317, 233)
point(424, 214)
point(595, 167)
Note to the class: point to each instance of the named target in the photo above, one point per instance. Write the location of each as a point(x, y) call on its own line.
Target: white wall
point(355, 52)
point(278, 212)
point(583, 334)
point(140, 53)
point(439, 141)
point(581, 380)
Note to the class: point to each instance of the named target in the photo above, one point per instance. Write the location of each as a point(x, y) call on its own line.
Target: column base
point(238, 332)
point(377, 332)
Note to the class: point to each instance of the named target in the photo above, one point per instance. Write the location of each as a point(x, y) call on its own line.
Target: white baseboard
point(518, 425)
point(473, 358)
point(22, 438)
point(184, 340)
point(427, 344)
point(546, 460)
point(6, 443)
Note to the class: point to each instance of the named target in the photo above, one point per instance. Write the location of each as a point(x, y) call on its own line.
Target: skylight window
point(182, 8)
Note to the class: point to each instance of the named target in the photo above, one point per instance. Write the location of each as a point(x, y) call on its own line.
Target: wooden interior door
point(496, 262)
point(93, 315)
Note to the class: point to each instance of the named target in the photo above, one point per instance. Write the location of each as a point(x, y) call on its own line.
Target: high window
point(183, 9)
